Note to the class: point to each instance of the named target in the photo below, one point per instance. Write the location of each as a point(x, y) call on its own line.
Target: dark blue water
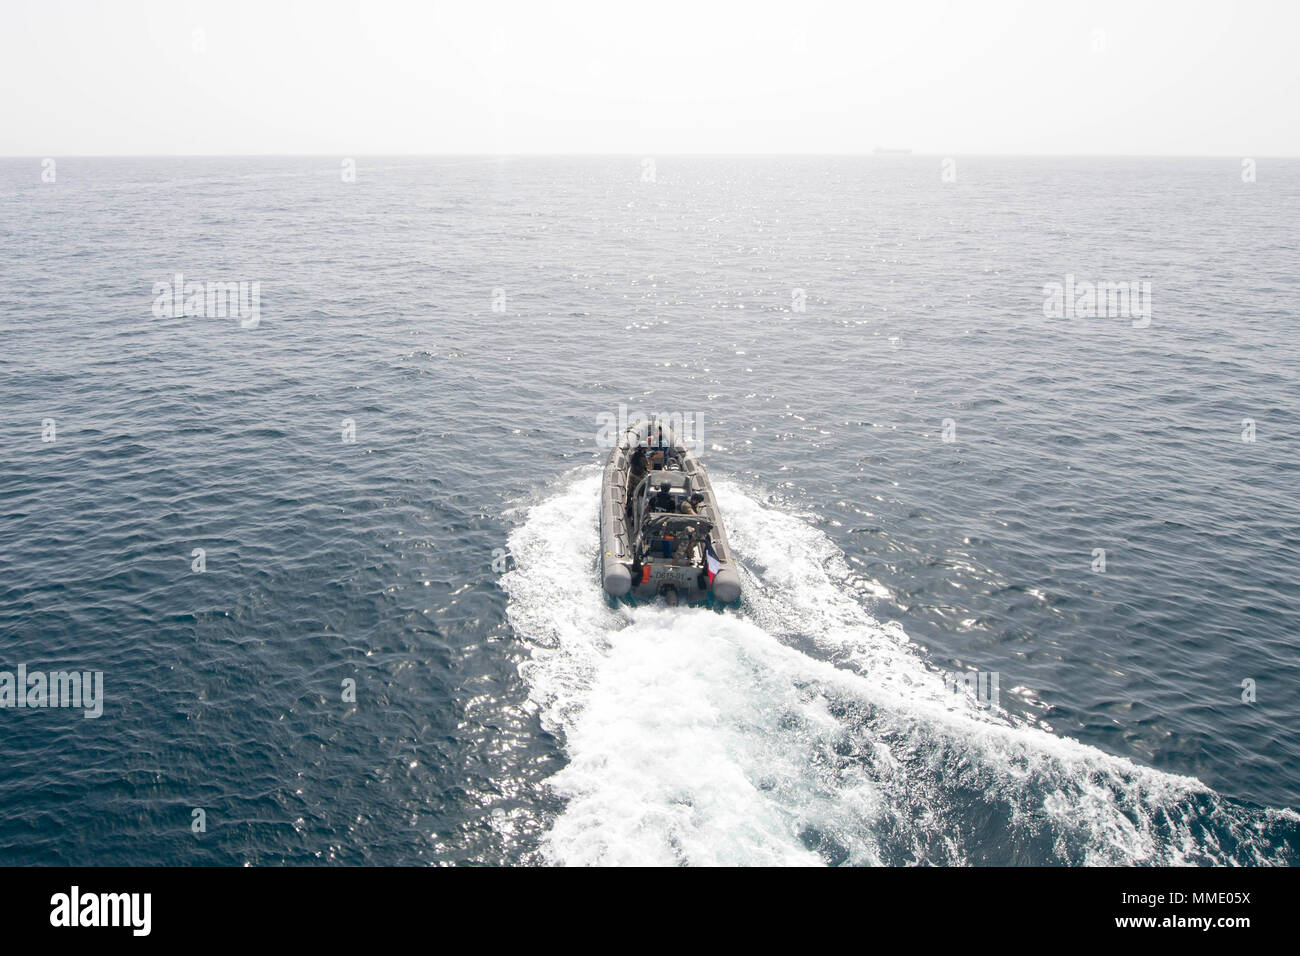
point(505, 711)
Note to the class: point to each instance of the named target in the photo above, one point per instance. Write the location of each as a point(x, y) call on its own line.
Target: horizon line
point(884, 154)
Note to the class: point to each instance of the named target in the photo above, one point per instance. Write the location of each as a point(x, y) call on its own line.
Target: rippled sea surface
point(505, 711)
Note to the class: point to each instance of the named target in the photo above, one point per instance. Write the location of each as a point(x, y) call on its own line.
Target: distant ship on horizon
point(886, 151)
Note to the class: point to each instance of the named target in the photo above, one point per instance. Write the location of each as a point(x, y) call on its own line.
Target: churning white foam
point(797, 730)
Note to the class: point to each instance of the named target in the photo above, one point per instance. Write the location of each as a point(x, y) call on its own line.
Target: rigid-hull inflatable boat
point(650, 545)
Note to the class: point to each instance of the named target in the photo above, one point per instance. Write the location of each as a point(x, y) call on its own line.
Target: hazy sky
point(89, 77)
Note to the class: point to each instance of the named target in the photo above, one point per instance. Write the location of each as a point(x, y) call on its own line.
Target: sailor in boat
point(639, 465)
point(664, 500)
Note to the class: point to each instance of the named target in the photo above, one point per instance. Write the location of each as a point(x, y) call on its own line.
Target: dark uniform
point(662, 501)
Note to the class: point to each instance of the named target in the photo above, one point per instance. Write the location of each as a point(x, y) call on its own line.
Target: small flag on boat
point(711, 561)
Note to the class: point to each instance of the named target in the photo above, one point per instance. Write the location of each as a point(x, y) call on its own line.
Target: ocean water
point(918, 468)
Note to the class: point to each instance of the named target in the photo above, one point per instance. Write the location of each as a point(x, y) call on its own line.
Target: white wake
point(799, 731)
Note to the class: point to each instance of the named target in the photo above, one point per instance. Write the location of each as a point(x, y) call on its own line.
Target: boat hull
point(632, 564)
